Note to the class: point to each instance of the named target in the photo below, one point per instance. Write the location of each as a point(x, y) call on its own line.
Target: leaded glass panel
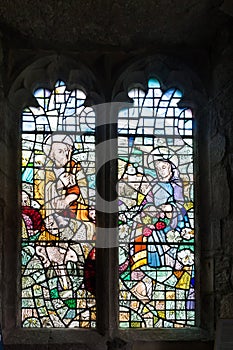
point(156, 210)
point(58, 210)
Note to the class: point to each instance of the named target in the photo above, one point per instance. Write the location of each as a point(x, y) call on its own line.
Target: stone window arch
point(44, 73)
point(137, 76)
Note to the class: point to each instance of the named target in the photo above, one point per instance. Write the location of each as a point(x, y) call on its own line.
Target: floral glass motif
point(58, 210)
point(156, 211)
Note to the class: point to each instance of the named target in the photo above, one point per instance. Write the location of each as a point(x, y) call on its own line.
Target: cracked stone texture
point(226, 310)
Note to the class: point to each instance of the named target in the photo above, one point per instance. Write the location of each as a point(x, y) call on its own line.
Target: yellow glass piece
point(170, 295)
point(25, 157)
point(140, 198)
point(136, 324)
point(145, 310)
point(24, 230)
point(161, 314)
point(46, 236)
point(139, 259)
point(184, 281)
point(188, 205)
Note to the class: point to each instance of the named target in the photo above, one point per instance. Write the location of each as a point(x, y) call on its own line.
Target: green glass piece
point(54, 293)
point(71, 303)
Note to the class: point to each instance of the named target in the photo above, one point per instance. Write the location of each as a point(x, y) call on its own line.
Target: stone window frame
point(44, 72)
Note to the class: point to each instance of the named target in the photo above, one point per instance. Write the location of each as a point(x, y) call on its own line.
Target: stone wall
point(221, 147)
point(207, 48)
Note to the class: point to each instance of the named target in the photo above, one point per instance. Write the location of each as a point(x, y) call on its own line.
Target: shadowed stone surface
point(112, 23)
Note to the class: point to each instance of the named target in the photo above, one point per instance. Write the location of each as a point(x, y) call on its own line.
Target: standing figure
point(164, 205)
point(61, 185)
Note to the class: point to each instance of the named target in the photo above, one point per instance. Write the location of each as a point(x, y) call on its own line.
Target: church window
point(156, 211)
point(58, 210)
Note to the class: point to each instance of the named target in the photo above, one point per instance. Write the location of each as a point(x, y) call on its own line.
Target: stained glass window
point(58, 210)
point(156, 211)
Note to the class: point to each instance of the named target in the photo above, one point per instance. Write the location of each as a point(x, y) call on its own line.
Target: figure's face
point(51, 225)
point(163, 169)
point(25, 199)
point(92, 214)
point(60, 154)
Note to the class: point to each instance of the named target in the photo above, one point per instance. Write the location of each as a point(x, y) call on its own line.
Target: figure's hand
point(67, 179)
point(60, 203)
point(166, 211)
point(92, 214)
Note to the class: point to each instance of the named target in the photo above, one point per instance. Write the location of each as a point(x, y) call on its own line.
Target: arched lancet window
point(156, 210)
point(58, 210)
